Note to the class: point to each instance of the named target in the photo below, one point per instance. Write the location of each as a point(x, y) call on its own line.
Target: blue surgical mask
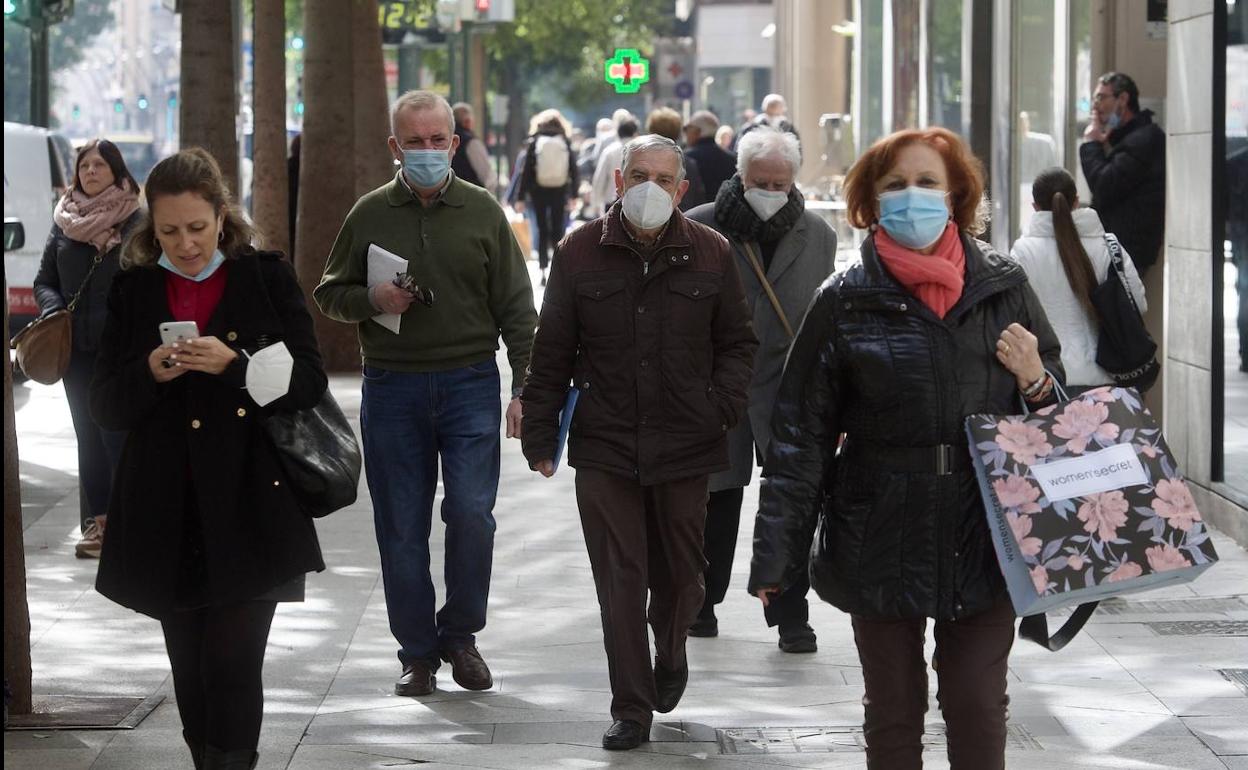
point(914, 217)
point(215, 262)
point(426, 168)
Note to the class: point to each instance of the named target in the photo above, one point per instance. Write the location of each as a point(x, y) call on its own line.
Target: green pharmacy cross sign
point(627, 70)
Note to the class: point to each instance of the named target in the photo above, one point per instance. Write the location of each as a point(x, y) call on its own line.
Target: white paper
point(382, 265)
point(1092, 473)
point(268, 373)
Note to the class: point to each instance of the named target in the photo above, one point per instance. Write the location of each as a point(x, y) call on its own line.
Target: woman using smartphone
point(206, 534)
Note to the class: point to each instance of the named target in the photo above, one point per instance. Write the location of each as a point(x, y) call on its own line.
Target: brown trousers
point(643, 538)
point(970, 662)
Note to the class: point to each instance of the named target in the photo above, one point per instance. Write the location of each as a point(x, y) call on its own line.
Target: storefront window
point(944, 70)
point(730, 91)
point(1037, 94)
point(869, 64)
point(1234, 265)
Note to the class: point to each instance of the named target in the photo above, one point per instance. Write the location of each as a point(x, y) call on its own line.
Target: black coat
point(875, 364)
point(528, 171)
point(1128, 186)
point(714, 163)
point(64, 266)
point(200, 436)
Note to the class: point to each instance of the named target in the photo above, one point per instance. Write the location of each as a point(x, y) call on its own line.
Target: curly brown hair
point(196, 171)
point(966, 177)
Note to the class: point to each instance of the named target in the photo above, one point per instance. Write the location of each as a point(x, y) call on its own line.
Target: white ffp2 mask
point(647, 205)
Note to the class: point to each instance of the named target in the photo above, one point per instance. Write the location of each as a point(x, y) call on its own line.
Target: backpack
point(551, 155)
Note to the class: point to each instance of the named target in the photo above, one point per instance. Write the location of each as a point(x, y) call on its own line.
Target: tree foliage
point(571, 38)
point(67, 44)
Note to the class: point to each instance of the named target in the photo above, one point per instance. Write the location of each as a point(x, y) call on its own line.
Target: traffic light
point(54, 11)
point(17, 11)
point(142, 101)
point(119, 106)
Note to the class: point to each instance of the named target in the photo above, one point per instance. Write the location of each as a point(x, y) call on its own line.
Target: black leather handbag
point(1124, 348)
point(318, 451)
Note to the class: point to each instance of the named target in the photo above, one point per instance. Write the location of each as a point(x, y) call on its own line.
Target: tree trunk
point(373, 162)
point(209, 103)
point(326, 196)
point(16, 610)
point(270, 194)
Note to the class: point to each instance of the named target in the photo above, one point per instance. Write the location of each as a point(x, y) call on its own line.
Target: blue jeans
point(408, 420)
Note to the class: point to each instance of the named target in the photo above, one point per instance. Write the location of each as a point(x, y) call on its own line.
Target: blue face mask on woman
point(426, 168)
point(914, 217)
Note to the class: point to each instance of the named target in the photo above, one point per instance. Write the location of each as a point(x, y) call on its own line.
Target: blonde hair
point(664, 121)
point(549, 117)
point(193, 171)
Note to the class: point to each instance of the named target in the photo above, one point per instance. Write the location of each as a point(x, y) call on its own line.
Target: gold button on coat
point(231, 336)
point(195, 424)
point(242, 412)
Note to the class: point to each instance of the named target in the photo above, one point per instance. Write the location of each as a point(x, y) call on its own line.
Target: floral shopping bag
point(1084, 501)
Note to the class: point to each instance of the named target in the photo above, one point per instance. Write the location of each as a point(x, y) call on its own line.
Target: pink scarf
point(96, 220)
point(936, 278)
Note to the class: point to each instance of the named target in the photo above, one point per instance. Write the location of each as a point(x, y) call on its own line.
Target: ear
point(681, 189)
point(619, 183)
point(1034, 207)
point(395, 151)
point(454, 143)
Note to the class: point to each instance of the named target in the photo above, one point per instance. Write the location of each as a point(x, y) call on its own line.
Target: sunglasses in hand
point(422, 295)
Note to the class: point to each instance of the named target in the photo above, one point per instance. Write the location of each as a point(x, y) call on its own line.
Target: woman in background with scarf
point(89, 224)
point(932, 326)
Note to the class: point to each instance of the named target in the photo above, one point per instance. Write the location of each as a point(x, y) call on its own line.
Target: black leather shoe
point(670, 685)
point(798, 639)
point(468, 669)
point(706, 626)
point(625, 734)
point(417, 679)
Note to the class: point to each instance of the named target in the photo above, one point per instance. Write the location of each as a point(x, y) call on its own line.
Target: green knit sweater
point(463, 249)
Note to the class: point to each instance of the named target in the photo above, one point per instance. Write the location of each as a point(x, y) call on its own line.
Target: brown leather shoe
point(468, 669)
point(417, 679)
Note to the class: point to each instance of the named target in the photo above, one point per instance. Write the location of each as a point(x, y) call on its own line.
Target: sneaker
point(92, 541)
point(798, 639)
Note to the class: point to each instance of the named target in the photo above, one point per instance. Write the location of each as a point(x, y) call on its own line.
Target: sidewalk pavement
point(1142, 686)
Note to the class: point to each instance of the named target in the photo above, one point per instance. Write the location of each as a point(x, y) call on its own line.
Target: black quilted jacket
point(875, 365)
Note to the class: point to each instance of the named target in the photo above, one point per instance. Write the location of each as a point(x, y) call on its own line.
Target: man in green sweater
point(431, 390)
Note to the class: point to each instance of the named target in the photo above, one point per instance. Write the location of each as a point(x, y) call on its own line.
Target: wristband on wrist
point(1040, 390)
point(1035, 386)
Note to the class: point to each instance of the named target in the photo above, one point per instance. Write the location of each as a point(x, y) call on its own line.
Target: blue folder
point(565, 423)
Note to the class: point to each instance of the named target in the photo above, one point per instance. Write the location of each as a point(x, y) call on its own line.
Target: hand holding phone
point(178, 331)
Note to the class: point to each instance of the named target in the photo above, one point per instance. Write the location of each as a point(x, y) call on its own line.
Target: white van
point(38, 168)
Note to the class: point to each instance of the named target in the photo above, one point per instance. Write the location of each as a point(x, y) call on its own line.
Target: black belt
point(942, 459)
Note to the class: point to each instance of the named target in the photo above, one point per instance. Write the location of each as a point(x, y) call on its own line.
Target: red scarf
point(936, 278)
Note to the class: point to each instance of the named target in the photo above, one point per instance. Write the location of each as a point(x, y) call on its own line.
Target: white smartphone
point(177, 331)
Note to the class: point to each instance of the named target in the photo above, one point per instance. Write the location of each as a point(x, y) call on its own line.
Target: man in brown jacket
point(645, 314)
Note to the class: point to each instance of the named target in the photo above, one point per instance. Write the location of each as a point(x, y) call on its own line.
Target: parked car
point(38, 169)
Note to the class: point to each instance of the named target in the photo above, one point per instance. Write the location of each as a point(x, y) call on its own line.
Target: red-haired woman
point(894, 353)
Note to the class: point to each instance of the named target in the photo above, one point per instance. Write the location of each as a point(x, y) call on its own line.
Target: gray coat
point(804, 258)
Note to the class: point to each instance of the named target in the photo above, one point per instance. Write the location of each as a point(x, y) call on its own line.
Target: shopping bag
point(520, 228)
point(1084, 501)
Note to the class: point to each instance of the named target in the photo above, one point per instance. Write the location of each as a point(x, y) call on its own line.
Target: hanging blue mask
point(426, 168)
point(914, 217)
point(215, 262)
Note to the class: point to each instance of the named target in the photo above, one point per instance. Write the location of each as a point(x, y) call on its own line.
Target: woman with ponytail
point(1066, 256)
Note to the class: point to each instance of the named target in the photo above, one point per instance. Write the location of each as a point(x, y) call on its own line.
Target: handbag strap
point(771, 294)
point(95, 262)
point(1035, 628)
point(1118, 262)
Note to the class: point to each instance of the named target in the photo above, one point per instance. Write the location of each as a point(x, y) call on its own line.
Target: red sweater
point(195, 300)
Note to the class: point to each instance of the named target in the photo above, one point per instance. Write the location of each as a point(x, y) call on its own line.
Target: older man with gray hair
point(431, 384)
point(784, 253)
point(645, 315)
